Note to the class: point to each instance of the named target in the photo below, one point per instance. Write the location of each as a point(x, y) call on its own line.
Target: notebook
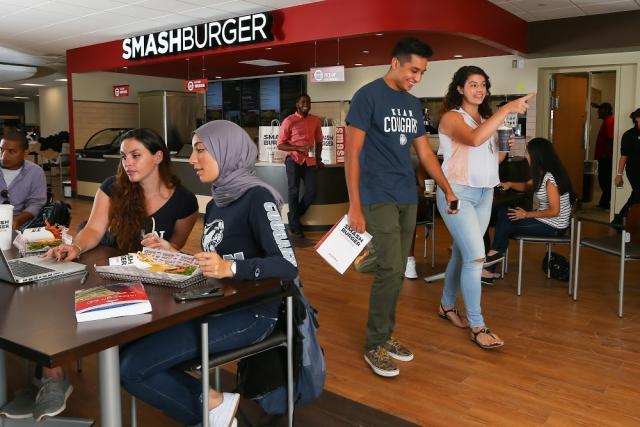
point(29, 269)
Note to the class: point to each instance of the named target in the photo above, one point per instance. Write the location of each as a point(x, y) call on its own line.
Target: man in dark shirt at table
point(301, 136)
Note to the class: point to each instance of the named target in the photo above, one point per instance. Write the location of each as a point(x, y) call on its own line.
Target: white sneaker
point(223, 414)
point(410, 272)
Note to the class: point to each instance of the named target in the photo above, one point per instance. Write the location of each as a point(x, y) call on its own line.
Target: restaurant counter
point(331, 202)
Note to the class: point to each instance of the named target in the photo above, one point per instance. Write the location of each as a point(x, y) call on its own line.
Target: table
point(38, 323)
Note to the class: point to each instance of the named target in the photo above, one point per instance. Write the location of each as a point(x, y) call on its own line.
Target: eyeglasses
point(5, 195)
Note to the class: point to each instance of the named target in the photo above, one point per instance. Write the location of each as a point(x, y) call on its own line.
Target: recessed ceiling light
point(379, 34)
point(280, 71)
point(32, 84)
point(218, 77)
point(263, 62)
point(21, 97)
point(6, 88)
point(357, 64)
point(61, 80)
point(268, 48)
point(204, 69)
point(125, 68)
point(457, 55)
point(365, 51)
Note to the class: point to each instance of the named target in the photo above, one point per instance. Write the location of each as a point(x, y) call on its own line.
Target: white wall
point(54, 111)
point(99, 86)
point(32, 112)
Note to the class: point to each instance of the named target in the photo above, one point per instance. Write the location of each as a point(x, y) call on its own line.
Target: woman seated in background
point(553, 190)
point(243, 237)
point(144, 194)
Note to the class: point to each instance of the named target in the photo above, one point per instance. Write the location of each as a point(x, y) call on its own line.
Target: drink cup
point(6, 229)
point(504, 133)
point(429, 186)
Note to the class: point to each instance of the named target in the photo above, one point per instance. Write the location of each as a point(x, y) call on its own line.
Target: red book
point(111, 300)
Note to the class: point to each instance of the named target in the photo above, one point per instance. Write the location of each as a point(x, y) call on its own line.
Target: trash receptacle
point(66, 188)
point(588, 180)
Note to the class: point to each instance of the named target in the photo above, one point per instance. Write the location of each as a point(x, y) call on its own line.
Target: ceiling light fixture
point(263, 62)
point(6, 88)
point(61, 80)
point(379, 34)
point(457, 55)
point(268, 48)
point(21, 97)
point(365, 51)
point(280, 71)
point(32, 84)
point(218, 77)
point(357, 64)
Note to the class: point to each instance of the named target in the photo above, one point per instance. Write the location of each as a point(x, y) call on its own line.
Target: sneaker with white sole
point(410, 271)
point(398, 351)
point(223, 414)
point(381, 362)
point(52, 397)
point(22, 404)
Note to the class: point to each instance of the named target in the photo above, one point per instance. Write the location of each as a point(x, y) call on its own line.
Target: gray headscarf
point(236, 155)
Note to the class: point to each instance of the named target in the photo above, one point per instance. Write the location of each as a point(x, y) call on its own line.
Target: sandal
point(444, 315)
point(487, 331)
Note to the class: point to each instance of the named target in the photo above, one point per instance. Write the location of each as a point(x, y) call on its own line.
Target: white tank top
point(467, 165)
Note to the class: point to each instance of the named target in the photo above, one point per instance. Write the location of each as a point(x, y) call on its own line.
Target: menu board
point(214, 96)
point(270, 94)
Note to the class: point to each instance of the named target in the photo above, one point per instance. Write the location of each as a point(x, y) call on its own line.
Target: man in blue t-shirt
point(383, 121)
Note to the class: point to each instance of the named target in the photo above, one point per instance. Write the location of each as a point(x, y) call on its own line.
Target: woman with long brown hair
point(142, 205)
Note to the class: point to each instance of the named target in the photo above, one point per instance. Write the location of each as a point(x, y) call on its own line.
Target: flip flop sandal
point(444, 316)
point(485, 330)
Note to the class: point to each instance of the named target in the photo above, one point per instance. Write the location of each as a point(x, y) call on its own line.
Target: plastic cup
point(429, 186)
point(6, 229)
point(504, 133)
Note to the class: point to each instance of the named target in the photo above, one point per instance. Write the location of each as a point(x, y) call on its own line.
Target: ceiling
point(542, 10)
point(35, 34)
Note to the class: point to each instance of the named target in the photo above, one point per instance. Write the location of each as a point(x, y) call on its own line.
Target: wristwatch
point(233, 268)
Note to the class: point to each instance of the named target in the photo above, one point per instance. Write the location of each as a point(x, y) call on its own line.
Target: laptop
point(32, 268)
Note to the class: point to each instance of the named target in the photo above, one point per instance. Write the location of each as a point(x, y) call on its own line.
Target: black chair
point(624, 243)
point(565, 239)
point(280, 337)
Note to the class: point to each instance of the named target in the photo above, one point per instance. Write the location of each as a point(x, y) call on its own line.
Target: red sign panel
point(121, 91)
point(195, 85)
point(340, 140)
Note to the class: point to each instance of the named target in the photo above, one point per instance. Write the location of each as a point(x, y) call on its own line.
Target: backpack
point(268, 387)
point(56, 213)
point(559, 267)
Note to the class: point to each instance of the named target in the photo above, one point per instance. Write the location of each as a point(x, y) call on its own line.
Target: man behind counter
point(301, 136)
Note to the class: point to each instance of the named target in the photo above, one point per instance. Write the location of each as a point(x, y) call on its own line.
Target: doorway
point(574, 126)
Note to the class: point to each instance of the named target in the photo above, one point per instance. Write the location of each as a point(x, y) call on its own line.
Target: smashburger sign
point(228, 32)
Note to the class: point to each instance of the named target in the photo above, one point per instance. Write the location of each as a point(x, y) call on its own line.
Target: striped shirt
point(562, 220)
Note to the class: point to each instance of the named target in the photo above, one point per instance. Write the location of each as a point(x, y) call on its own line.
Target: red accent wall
point(479, 20)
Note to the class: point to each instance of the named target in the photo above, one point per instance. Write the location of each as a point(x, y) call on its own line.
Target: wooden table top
point(37, 321)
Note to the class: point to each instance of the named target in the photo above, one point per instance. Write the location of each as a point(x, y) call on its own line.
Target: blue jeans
point(148, 366)
point(297, 206)
point(467, 228)
point(505, 228)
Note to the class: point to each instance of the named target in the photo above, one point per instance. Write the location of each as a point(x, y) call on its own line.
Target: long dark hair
point(453, 98)
point(545, 159)
point(127, 214)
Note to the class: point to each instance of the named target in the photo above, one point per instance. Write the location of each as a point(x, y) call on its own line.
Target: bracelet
point(77, 246)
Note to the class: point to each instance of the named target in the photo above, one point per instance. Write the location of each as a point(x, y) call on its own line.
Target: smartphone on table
point(199, 293)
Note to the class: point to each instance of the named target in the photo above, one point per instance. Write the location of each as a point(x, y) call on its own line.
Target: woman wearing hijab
point(243, 238)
